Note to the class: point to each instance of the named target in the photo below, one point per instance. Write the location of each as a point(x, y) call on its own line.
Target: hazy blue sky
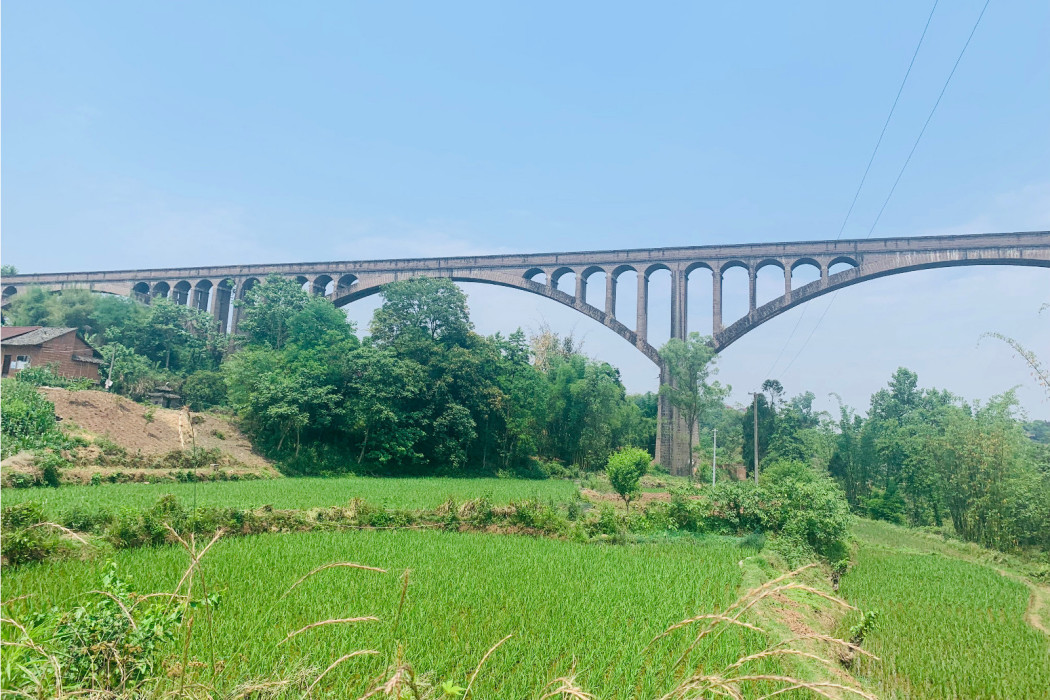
point(161, 134)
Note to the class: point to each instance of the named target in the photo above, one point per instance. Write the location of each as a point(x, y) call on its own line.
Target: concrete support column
point(581, 289)
point(678, 304)
point(238, 293)
point(643, 305)
point(716, 301)
point(823, 274)
point(610, 294)
point(752, 288)
point(787, 279)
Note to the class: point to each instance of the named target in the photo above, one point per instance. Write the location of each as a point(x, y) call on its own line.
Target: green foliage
point(27, 419)
point(114, 642)
point(8, 270)
point(689, 364)
point(926, 458)
point(48, 376)
point(204, 389)
point(625, 470)
point(267, 311)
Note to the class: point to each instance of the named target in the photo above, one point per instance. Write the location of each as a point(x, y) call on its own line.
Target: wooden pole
point(754, 404)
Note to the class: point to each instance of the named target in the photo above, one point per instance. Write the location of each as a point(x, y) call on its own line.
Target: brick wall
point(58, 351)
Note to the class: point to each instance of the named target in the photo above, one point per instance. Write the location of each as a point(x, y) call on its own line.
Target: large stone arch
point(861, 273)
point(367, 287)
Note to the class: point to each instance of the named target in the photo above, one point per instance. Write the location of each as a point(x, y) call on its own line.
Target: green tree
point(688, 365)
point(421, 310)
point(6, 270)
point(268, 308)
point(625, 470)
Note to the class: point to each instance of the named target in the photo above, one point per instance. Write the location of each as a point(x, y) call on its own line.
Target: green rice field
point(565, 603)
point(949, 628)
point(301, 493)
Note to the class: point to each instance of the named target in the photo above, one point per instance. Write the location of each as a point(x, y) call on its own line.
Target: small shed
point(165, 397)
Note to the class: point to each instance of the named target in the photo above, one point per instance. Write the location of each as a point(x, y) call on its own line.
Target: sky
point(141, 135)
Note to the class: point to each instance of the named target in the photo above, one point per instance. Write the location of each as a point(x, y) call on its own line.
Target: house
point(38, 346)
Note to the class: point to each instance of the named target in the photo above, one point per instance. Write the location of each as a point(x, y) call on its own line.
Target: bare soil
point(99, 414)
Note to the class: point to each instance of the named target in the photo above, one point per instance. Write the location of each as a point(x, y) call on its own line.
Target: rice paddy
point(595, 607)
point(949, 628)
point(951, 624)
point(299, 493)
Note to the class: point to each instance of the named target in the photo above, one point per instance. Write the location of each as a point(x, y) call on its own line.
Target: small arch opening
point(536, 275)
point(161, 290)
point(9, 291)
point(141, 292)
point(564, 280)
point(841, 264)
point(625, 279)
point(344, 284)
point(699, 290)
point(658, 306)
point(181, 293)
point(323, 285)
point(247, 285)
point(803, 272)
point(594, 281)
point(202, 295)
point(736, 295)
point(769, 282)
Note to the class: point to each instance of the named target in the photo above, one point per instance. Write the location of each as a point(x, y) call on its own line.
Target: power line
point(899, 174)
point(867, 169)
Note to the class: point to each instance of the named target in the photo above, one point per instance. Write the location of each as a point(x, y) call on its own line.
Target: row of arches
point(742, 287)
point(219, 297)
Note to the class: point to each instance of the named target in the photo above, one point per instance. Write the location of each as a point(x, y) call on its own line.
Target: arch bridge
point(838, 264)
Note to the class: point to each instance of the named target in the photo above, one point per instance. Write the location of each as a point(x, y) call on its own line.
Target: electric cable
point(867, 169)
point(899, 175)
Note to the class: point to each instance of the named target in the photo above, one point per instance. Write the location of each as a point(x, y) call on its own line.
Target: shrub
point(27, 419)
point(48, 376)
point(204, 389)
point(625, 470)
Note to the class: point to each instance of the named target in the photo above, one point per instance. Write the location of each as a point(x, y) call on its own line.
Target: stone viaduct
point(215, 289)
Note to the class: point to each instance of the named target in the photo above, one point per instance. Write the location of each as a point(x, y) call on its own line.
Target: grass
point(949, 628)
point(566, 604)
point(299, 493)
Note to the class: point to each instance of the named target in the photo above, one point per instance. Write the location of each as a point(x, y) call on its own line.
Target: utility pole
point(714, 458)
point(754, 409)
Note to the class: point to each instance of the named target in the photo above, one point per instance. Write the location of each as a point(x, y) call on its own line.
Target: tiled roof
point(11, 331)
point(38, 336)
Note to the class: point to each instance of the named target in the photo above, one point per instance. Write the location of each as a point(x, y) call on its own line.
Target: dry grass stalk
point(322, 623)
point(566, 687)
point(482, 663)
point(727, 683)
point(333, 565)
point(336, 663)
point(66, 530)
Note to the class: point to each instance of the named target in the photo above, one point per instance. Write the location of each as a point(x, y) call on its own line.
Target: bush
point(625, 470)
point(204, 389)
point(27, 419)
point(48, 376)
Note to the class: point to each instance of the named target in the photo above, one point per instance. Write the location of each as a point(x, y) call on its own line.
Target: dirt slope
point(123, 421)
